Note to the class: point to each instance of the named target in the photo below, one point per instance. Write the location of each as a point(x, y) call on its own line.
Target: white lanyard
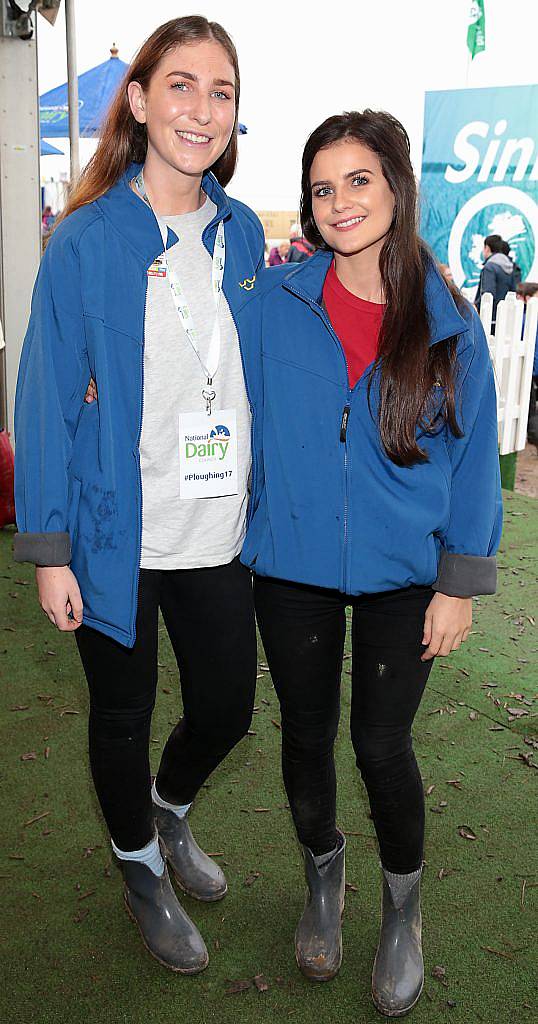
point(180, 301)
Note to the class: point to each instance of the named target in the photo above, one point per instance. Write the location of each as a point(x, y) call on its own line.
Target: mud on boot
point(318, 938)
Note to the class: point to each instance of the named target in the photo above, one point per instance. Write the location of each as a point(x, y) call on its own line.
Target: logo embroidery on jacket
point(248, 283)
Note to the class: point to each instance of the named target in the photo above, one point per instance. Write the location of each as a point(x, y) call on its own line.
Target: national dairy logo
point(211, 446)
point(480, 177)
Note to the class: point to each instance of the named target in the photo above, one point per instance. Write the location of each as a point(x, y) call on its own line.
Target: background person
point(497, 274)
point(300, 249)
point(527, 290)
point(279, 254)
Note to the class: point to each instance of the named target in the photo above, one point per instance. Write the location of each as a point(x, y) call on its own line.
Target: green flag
point(476, 33)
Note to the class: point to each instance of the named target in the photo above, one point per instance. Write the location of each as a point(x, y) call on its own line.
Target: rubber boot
point(193, 870)
point(398, 973)
point(167, 932)
point(318, 939)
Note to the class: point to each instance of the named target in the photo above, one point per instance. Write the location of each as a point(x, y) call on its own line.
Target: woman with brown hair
point(377, 487)
point(137, 502)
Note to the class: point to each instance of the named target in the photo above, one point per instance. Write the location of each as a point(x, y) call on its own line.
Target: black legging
point(303, 630)
point(209, 616)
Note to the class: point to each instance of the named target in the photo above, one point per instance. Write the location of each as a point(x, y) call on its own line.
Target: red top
point(356, 323)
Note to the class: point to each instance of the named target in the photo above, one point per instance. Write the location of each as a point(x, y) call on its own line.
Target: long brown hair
point(123, 140)
point(409, 367)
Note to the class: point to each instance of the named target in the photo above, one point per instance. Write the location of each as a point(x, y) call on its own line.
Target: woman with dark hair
point(136, 502)
point(376, 486)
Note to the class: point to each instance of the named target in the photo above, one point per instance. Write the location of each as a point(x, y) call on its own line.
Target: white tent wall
point(20, 205)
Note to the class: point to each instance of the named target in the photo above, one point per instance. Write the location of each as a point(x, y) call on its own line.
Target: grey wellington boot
point(167, 932)
point(318, 938)
point(193, 870)
point(398, 973)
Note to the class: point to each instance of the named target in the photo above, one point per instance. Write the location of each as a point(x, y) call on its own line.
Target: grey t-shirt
point(195, 532)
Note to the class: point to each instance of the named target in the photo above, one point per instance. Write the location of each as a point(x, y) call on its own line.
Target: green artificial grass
point(70, 952)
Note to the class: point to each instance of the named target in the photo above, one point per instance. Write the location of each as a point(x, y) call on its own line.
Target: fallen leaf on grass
point(261, 983)
point(261, 810)
point(250, 879)
point(46, 753)
point(440, 973)
point(531, 741)
point(30, 756)
point(430, 789)
point(473, 716)
point(235, 987)
point(38, 817)
point(517, 712)
point(454, 782)
point(85, 895)
point(496, 728)
point(351, 888)
point(80, 915)
point(466, 832)
point(498, 952)
point(276, 724)
point(20, 707)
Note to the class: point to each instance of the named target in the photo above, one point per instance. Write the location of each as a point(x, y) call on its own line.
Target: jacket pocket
point(73, 502)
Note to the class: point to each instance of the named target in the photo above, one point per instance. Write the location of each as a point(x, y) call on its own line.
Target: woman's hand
point(59, 596)
point(91, 392)
point(447, 624)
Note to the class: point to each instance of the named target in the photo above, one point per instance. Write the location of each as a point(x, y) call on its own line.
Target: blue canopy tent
point(96, 89)
point(48, 150)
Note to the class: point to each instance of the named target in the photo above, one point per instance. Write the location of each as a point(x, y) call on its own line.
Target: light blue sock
point(149, 855)
point(179, 809)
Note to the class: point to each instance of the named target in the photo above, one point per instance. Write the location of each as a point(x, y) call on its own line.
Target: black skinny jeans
point(209, 616)
point(303, 630)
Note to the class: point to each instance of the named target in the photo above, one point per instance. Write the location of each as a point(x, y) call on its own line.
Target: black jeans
point(303, 630)
point(209, 615)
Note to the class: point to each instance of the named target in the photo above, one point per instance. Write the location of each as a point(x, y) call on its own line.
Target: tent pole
point(72, 89)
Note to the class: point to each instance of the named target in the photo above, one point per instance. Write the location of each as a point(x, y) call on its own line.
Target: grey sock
point(324, 858)
point(400, 885)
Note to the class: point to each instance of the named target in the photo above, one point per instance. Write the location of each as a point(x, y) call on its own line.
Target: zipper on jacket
point(344, 422)
point(252, 419)
point(343, 439)
point(346, 412)
point(137, 458)
point(249, 400)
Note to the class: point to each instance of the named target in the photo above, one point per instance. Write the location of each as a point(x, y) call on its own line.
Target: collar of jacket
point(306, 281)
point(134, 220)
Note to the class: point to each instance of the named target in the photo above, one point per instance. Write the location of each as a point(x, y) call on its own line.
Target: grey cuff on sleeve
point(42, 548)
point(466, 575)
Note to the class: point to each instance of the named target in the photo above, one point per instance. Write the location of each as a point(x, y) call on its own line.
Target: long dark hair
point(409, 367)
point(123, 140)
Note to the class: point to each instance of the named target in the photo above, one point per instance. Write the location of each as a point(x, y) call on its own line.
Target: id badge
point(208, 454)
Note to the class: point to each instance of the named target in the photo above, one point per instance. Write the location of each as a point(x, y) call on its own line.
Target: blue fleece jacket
point(77, 470)
point(329, 507)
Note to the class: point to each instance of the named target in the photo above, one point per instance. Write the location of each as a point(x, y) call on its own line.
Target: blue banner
point(480, 177)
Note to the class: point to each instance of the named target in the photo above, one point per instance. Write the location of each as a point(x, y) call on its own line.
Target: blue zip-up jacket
point(77, 469)
point(330, 508)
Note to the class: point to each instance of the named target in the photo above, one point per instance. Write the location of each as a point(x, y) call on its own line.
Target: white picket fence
point(512, 355)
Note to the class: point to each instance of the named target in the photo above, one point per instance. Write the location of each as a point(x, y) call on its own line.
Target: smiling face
point(189, 107)
point(352, 203)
